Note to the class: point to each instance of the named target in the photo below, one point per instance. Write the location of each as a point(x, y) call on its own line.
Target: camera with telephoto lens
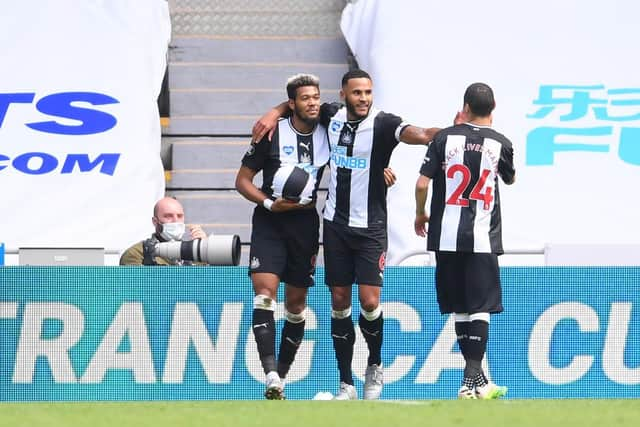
point(213, 250)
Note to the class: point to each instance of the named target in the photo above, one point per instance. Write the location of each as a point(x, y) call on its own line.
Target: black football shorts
point(285, 244)
point(353, 255)
point(468, 282)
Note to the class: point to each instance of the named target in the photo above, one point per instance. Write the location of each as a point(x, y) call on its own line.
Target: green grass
point(520, 413)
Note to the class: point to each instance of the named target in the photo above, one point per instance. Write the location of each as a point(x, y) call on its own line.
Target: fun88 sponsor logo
point(340, 159)
point(63, 105)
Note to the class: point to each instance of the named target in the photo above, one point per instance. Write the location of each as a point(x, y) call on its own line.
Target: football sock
point(264, 331)
point(372, 333)
point(475, 347)
point(344, 336)
point(480, 380)
point(292, 334)
point(462, 334)
point(466, 381)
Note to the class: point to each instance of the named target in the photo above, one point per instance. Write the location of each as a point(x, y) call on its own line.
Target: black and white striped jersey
point(359, 153)
point(464, 162)
point(288, 146)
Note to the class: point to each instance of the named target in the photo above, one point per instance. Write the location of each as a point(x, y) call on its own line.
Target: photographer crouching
point(167, 247)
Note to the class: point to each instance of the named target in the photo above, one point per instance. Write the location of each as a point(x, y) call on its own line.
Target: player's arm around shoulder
point(415, 135)
point(265, 125)
point(410, 134)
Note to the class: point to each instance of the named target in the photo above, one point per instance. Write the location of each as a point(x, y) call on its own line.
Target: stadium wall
point(138, 333)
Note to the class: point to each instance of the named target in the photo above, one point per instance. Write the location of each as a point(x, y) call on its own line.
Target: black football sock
point(372, 333)
point(344, 336)
point(462, 335)
point(292, 334)
point(264, 331)
point(476, 345)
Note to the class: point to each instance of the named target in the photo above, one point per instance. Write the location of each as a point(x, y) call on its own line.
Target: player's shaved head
point(479, 98)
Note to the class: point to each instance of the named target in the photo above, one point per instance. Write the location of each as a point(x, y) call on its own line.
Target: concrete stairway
point(221, 86)
point(222, 80)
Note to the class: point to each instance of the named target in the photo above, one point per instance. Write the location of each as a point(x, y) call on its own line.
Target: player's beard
point(306, 119)
point(351, 109)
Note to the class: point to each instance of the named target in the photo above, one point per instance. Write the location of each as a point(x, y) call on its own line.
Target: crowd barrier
point(145, 333)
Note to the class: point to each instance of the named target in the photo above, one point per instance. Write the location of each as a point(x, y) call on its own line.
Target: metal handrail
point(16, 251)
point(513, 251)
point(510, 251)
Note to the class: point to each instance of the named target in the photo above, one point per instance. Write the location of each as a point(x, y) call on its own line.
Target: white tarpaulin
point(568, 96)
point(79, 123)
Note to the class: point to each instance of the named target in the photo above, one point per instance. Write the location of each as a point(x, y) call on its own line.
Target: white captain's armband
point(399, 129)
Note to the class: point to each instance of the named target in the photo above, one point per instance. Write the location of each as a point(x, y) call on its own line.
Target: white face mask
point(173, 230)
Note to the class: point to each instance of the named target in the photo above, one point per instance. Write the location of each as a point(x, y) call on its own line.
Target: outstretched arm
point(422, 190)
point(417, 136)
point(267, 123)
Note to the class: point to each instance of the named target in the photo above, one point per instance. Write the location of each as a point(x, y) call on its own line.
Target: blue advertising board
point(146, 333)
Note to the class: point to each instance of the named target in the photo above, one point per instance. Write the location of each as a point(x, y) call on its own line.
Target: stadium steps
point(221, 86)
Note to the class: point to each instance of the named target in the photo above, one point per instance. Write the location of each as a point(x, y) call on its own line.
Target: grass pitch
point(440, 413)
